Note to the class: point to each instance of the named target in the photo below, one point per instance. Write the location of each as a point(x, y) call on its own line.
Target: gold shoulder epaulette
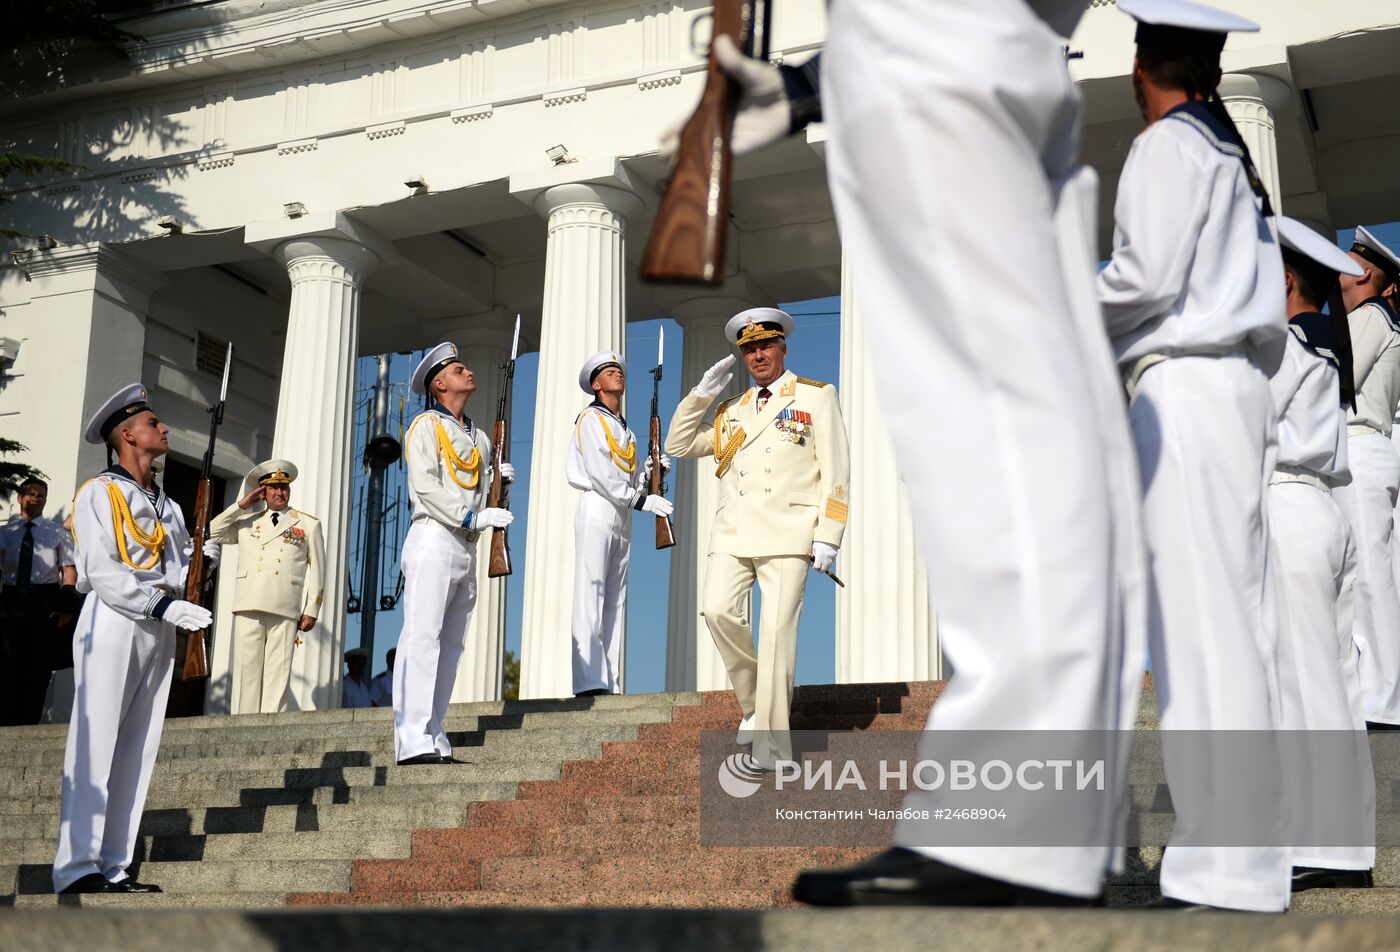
point(813, 383)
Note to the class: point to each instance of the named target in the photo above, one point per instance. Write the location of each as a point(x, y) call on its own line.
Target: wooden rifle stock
point(665, 535)
point(498, 498)
point(687, 239)
point(196, 646)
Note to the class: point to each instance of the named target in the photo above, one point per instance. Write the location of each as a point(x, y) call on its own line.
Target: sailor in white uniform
point(132, 554)
point(1315, 563)
point(1369, 502)
point(603, 464)
point(1193, 301)
point(448, 459)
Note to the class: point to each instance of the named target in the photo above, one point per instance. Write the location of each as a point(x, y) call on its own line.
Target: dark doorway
point(181, 483)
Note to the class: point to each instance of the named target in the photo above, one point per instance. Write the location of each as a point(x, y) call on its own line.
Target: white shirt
point(592, 465)
point(1195, 267)
point(353, 693)
point(1375, 355)
point(381, 689)
point(435, 496)
point(53, 549)
point(1312, 432)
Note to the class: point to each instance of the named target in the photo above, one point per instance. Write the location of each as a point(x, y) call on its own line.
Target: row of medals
point(794, 426)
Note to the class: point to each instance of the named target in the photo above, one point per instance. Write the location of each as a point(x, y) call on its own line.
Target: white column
point(314, 407)
point(886, 629)
point(1254, 103)
point(583, 313)
point(692, 663)
point(483, 348)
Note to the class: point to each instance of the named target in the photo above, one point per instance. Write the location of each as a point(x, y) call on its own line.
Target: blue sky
point(813, 352)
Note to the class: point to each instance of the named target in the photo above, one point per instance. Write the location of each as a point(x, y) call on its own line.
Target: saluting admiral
point(783, 461)
point(602, 462)
point(278, 592)
point(1314, 561)
point(132, 553)
point(448, 459)
point(1369, 501)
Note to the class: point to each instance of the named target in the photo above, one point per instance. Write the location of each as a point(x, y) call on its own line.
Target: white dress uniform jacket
point(1369, 503)
point(1193, 300)
point(123, 655)
point(603, 464)
point(449, 474)
point(1314, 563)
point(279, 580)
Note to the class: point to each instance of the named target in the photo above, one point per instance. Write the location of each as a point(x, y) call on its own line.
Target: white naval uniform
point(1196, 284)
point(439, 568)
point(611, 486)
point(123, 658)
point(1314, 563)
point(943, 169)
point(1369, 503)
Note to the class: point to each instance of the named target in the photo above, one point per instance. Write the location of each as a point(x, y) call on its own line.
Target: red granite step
point(611, 899)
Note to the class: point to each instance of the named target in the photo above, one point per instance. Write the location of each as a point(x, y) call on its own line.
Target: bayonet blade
point(228, 364)
point(661, 348)
point(515, 343)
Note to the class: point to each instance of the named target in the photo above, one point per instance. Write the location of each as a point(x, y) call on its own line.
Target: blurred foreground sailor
point(1193, 301)
point(279, 588)
point(783, 461)
point(1369, 501)
point(1315, 565)
point(603, 464)
point(448, 459)
point(132, 554)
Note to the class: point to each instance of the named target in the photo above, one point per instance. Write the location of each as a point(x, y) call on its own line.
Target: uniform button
point(768, 469)
point(743, 472)
point(767, 490)
point(742, 491)
point(768, 449)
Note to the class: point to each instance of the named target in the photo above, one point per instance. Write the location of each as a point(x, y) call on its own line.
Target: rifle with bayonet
point(499, 495)
point(665, 534)
point(196, 644)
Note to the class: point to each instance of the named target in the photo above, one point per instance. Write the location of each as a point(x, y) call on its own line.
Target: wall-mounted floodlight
point(294, 209)
point(171, 224)
point(559, 155)
point(418, 183)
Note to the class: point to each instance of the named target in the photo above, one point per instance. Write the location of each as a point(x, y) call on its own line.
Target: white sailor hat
point(1302, 239)
point(758, 323)
point(1181, 23)
point(435, 360)
point(1367, 246)
point(118, 408)
point(591, 367)
point(275, 472)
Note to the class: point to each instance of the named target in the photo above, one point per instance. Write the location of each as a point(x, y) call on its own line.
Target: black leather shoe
point(1312, 877)
point(91, 883)
point(1168, 904)
point(414, 761)
point(901, 877)
point(593, 692)
point(1373, 726)
point(132, 886)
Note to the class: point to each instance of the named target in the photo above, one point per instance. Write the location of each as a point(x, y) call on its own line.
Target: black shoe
point(414, 761)
point(1373, 726)
point(1168, 904)
point(1313, 877)
point(132, 886)
point(91, 883)
point(592, 692)
point(901, 877)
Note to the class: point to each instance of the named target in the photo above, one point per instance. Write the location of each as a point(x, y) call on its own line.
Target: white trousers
point(439, 569)
point(1320, 687)
point(1205, 434)
point(121, 671)
point(1369, 503)
point(262, 667)
point(602, 547)
point(949, 178)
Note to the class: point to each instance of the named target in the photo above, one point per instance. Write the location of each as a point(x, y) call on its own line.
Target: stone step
point(592, 898)
point(149, 901)
point(405, 793)
point(346, 845)
point(221, 876)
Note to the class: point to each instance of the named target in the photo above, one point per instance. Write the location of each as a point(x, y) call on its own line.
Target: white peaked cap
point(597, 362)
point(435, 360)
point(1302, 239)
point(1369, 246)
point(748, 326)
point(1185, 15)
point(122, 405)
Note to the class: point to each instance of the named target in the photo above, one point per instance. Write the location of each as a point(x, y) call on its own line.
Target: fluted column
point(1254, 103)
point(692, 663)
point(583, 313)
point(886, 629)
point(483, 349)
point(314, 406)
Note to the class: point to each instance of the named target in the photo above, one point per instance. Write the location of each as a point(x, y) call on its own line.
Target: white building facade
point(317, 181)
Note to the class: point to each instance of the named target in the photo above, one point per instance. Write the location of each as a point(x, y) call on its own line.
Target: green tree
point(13, 473)
point(510, 677)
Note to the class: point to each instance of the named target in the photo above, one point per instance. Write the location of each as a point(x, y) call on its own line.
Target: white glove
point(658, 505)
point(187, 615)
point(716, 378)
point(507, 472)
point(647, 466)
point(764, 115)
point(823, 556)
point(494, 518)
point(212, 552)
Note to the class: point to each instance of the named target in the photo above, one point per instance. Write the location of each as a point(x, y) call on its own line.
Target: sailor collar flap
point(446, 414)
point(1314, 331)
point(119, 474)
point(1384, 306)
point(1222, 138)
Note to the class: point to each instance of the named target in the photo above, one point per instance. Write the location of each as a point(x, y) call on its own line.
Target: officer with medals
point(1193, 299)
point(132, 553)
point(602, 463)
point(448, 460)
point(782, 458)
point(278, 593)
point(1315, 563)
point(1369, 501)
